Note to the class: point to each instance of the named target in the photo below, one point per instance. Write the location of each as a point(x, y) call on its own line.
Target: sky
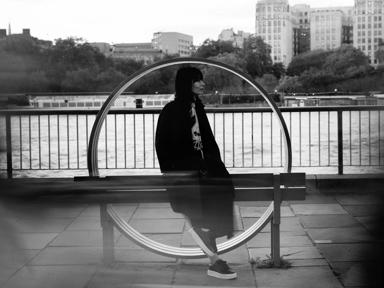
point(132, 21)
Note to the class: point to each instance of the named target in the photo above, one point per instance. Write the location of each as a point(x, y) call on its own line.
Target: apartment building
point(237, 39)
point(274, 25)
point(173, 43)
point(368, 27)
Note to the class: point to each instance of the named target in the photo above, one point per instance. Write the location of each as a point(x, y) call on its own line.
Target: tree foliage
point(212, 48)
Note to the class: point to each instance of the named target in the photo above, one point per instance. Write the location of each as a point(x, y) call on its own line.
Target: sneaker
point(204, 240)
point(221, 270)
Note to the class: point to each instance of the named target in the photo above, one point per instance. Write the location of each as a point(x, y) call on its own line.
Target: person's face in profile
point(198, 87)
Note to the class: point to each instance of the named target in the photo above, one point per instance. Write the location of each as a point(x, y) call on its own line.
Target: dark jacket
point(208, 199)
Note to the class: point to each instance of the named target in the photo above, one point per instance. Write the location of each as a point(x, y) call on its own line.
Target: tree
point(70, 57)
point(379, 54)
point(343, 59)
point(257, 55)
point(290, 84)
point(305, 61)
point(278, 70)
point(212, 48)
point(221, 80)
point(268, 82)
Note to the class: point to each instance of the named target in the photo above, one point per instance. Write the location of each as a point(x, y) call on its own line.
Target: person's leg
point(207, 242)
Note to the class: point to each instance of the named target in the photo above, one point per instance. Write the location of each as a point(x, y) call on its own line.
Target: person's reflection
point(185, 144)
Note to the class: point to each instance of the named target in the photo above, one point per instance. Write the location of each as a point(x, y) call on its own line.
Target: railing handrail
point(208, 109)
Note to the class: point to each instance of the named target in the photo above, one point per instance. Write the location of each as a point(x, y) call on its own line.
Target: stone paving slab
point(369, 222)
point(51, 276)
point(140, 256)
point(41, 225)
point(124, 209)
point(239, 255)
point(363, 210)
point(16, 258)
point(11, 260)
point(34, 240)
point(168, 239)
point(340, 235)
point(196, 276)
point(315, 199)
point(315, 209)
point(156, 213)
point(187, 239)
point(351, 273)
point(68, 256)
point(78, 238)
point(308, 262)
point(346, 252)
point(158, 225)
point(287, 224)
point(6, 273)
point(353, 199)
point(248, 212)
point(286, 240)
point(314, 277)
point(306, 252)
point(85, 223)
point(328, 221)
point(43, 211)
point(127, 275)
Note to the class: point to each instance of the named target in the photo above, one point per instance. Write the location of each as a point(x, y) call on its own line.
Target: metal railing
point(57, 139)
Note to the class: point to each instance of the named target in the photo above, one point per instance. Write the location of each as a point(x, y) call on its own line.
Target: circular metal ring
point(121, 224)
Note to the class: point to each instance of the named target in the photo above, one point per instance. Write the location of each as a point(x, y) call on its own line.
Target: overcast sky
point(119, 21)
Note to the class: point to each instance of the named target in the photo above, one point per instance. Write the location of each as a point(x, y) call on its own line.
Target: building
point(368, 27)
point(330, 27)
point(274, 25)
point(26, 34)
point(301, 14)
point(237, 39)
point(173, 43)
point(104, 48)
point(301, 31)
point(3, 33)
point(136, 51)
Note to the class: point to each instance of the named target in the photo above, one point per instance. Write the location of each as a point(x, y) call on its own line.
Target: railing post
point(275, 222)
point(8, 136)
point(340, 141)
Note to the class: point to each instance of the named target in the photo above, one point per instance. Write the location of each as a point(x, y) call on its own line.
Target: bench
point(150, 189)
point(248, 187)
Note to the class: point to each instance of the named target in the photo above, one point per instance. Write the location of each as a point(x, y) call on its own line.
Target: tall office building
point(274, 25)
point(301, 31)
point(173, 43)
point(368, 27)
point(329, 27)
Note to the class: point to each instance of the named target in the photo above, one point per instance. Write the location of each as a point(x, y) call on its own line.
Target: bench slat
point(292, 179)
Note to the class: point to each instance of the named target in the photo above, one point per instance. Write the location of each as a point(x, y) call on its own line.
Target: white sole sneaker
point(215, 274)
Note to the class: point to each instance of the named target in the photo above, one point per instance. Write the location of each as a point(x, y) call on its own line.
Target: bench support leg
point(108, 241)
point(275, 223)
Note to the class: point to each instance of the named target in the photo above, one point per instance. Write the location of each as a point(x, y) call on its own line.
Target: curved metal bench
point(248, 187)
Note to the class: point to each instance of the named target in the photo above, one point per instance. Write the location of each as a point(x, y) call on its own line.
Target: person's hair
point(185, 77)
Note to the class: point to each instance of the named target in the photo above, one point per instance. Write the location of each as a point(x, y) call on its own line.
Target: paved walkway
point(327, 238)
